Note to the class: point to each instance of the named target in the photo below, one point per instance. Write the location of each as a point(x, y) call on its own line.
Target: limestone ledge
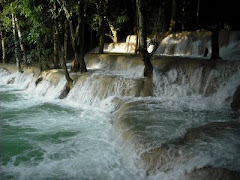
point(155, 158)
point(102, 83)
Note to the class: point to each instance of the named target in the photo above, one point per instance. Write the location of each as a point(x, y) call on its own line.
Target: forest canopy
point(36, 30)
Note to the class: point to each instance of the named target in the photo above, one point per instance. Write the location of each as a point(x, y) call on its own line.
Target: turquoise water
point(53, 140)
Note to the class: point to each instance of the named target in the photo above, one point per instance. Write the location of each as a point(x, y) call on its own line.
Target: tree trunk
point(198, 13)
point(146, 57)
point(215, 43)
point(173, 17)
point(215, 36)
point(113, 34)
point(91, 39)
point(3, 48)
point(69, 83)
point(102, 37)
point(55, 37)
point(20, 40)
point(103, 11)
point(15, 43)
point(137, 43)
point(163, 17)
point(76, 65)
point(39, 57)
point(135, 31)
point(64, 59)
point(81, 35)
point(184, 15)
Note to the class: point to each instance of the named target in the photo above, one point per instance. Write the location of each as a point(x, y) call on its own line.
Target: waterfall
point(174, 79)
point(44, 137)
point(220, 82)
point(188, 44)
point(183, 128)
point(50, 87)
point(194, 44)
point(89, 89)
point(93, 89)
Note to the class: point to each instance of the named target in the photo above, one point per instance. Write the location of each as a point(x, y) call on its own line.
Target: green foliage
point(33, 36)
point(115, 15)
point(5, 16)
point(118, 20)
point(34, 21)
point(95, 22)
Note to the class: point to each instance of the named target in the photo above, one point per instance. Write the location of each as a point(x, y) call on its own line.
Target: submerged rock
point(66, 90)
point(214, 129)
point(166, 157)
point(9, 68)
point(11, 81)
point(5, 70)
point(38, 80)
point(235, 105)
point(160, 159)
point(212, 173)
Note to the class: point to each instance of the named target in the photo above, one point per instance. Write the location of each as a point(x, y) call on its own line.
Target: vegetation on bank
point(52, 31)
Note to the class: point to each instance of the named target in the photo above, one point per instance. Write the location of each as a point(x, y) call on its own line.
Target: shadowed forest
point(45, 31)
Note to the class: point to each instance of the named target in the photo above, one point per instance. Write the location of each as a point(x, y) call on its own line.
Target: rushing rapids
point(114, 124)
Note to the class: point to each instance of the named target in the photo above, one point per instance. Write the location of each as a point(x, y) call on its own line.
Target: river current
point(82, 137)
point(57, 139)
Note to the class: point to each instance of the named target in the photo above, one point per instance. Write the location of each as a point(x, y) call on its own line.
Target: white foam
point(91, 149)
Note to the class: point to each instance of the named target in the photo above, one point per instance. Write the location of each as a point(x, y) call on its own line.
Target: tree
point(102, 10)
point(77, 10)
point(173, 16)
point(83, 67)
point(55, 35)
point(20, 39)
point(146, 57)
point(2, 38)
point(15, 41)
point(108, 20)
point(198, 12)
point(6, 33)
point(69, 84)
point(116, 17)
point(215, 42)
point(215, 35)
point(38, 30)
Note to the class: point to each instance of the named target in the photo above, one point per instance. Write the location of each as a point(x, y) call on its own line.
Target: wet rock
point(160, 159)
point(28, 70)
point(53, 76)
point(235, 105)
point(205, 52)
point(10, 68)
point(212, 173)
point(75, 66)
point(164, 158)
point(5, 70)
point(38, 80)
point(11, 81)
point(214, 129)
point(66, 90)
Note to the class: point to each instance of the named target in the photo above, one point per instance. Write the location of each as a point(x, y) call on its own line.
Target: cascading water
point(187, 44)
point(43, 137)
point(188, 127)
point(106, 129)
